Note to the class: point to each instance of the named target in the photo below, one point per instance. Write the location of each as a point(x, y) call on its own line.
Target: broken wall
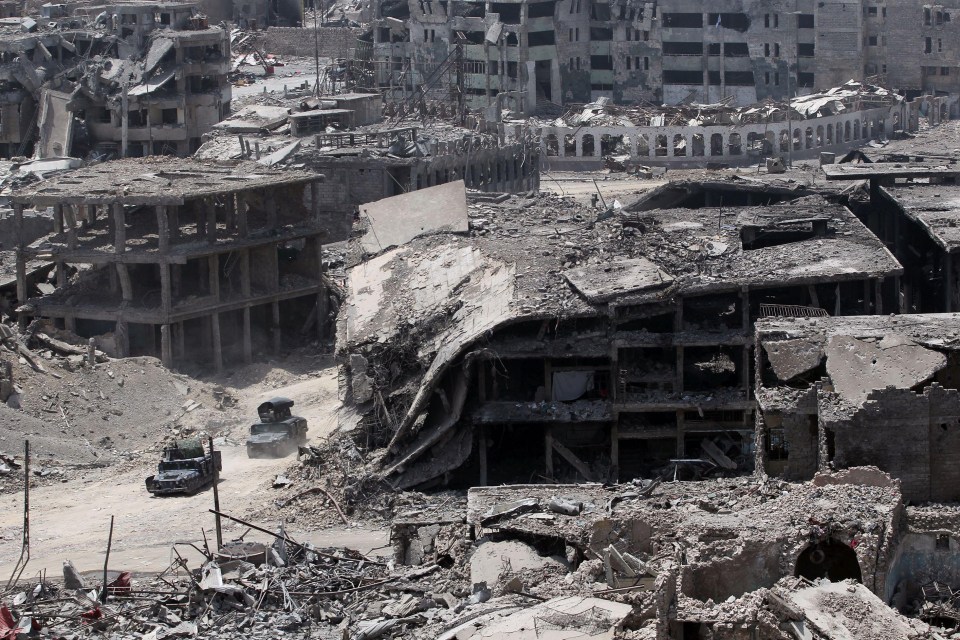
point(334, 42)
point(912, 436)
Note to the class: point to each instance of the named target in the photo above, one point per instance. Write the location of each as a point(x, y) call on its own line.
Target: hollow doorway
point(831, 559)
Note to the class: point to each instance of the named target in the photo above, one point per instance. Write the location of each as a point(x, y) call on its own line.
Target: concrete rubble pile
point(850, 96)
point(642, 560)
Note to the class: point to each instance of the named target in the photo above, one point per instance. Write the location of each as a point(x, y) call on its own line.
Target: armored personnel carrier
point(278, 433)
point(185, 468)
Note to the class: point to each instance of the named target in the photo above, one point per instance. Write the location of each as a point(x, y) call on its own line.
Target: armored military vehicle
point(278, 433)
point(185, 468)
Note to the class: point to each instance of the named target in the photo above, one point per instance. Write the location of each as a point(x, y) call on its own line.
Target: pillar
point(122, 336)
point(166, 346)
point(166, 294)
point(126, 286)
point(120, 229)
point(215, 336)
point(163, 229)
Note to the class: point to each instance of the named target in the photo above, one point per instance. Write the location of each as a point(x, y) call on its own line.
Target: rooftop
point(935, 207)
point(154, 180)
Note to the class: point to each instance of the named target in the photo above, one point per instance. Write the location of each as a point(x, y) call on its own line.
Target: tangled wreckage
point(545, 344)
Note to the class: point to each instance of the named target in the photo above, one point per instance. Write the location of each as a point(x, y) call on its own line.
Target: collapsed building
point(838, 391)
point(367, 157)
point(191, 262)
point(912, 209)
point(549, 344)
point(530, 54)
point(119, 80)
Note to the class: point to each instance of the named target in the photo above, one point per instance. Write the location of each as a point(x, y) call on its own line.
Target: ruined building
point(188, 261)
point(375, 159)
point(121, 80)
point(545, 343)
point(668, 51)
point(845, 391)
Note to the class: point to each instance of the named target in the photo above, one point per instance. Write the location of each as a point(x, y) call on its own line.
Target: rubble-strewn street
point(472, 321)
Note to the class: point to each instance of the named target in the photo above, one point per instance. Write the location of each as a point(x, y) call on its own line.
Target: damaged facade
point(534, 349)
point(842, 118)
point(531, 53)
point(836, 392)
point(187, 261)
point(121, 80)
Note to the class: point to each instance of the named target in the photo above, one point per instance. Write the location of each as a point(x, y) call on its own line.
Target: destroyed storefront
point(881, 390)
point(195, 263)
point(546, 345)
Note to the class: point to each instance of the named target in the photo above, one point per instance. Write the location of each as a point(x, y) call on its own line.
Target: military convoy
point(279, 433)
point(186, 468)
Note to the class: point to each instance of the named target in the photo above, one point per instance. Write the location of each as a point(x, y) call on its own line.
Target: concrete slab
point(491, 560)
point(603, 282)
point(566, 618)
point(791, 358)
point(397, 220)
point(858, 367)
point(849, 611)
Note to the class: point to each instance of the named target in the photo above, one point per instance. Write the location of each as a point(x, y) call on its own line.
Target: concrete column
point(126, 286)
point(211, 211)
point(215, 336)
point(163, 229)
point(242, 216)
point(120, 229)
point(122, 335)
point(166, 346)
point(166, 292)
point(181, 341)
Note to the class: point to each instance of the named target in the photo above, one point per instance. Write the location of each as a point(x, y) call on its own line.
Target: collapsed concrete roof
point(548, 258)
point(935, 207)
point(156, 180)
point(862, 353)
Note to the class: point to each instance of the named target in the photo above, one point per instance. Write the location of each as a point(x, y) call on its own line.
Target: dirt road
point(70, 520)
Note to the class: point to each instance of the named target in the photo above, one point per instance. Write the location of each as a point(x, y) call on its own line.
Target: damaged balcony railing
point(791, 311)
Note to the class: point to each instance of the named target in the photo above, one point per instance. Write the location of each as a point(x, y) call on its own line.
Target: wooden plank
point(574, 461)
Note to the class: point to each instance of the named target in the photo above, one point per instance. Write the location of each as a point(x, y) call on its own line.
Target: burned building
point(836, 392)
point(548, 344)
point(133, 79)
point(671, 51)
point(197, 263)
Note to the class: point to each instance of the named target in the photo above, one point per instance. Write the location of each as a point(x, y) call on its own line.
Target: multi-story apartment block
point(666, 51)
